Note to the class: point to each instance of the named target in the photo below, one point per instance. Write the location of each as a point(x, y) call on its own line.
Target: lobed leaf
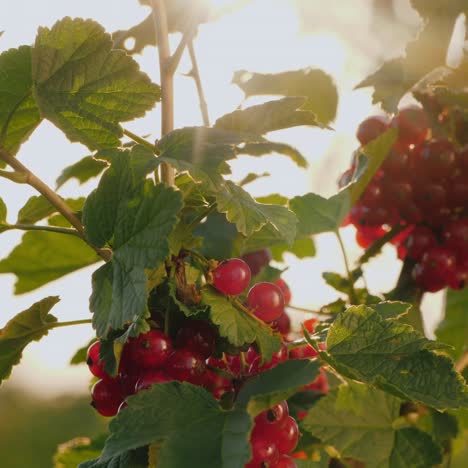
point(82, 171)
point(84, 86)
point(30, 325)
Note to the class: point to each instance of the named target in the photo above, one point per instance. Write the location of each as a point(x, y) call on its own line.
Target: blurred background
point(46, 401)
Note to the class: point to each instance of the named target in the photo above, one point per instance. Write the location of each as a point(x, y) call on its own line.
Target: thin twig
point(69, 324)
point(36, 227)
point(201, 217)
point(352, 292)
point(167, 81)
point(195, 73)
point(52, 197)
point(140, 140)
point(13, 176)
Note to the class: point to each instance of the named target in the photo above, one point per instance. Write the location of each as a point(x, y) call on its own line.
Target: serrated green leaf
point(317, 214)
point(19, 114)
point(414, 449)
point(80, 355)
point(394, 357)
point(453, 329)
point(35, 209)
point(268, 117)
point(249, 216)
point(314, 84)
point(239, 327)
point(82, 171)
point(301, 248)
point(30, 325)
point(339, 282)
point(399, 76)
point(268, 147)
point(72, 453)
point(356, 420)
point(392, 309)
point(84, 86)
point(271, 387)
point(131, 459)
point(42, 257)
point(139, 217)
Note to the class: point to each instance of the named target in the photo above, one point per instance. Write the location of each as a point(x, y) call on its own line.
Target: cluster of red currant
point(274, 436)
point(153, 358)
point(423, 186)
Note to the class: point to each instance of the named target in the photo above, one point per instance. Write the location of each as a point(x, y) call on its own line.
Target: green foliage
point(394, 357)
point(190, 424)
point(30, 325)
point(313, 84)
point(453, 329)
point(3, 213)
point(82, 171)
point(84, 86)
point(35, 209)
point(238, 326)
point(80, 355)
point(81, 449)
point(42, 257)
point(19, 115)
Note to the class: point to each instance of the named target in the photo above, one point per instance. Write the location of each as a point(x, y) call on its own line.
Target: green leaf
point(339, 282)
point(249, 216)
point(42, 257)
point(80, 356)
point(72, 453)
point(301, 248)
point(453, 329)
point(19, 114)
point(82, 171)
point(30, 325)
point(190, 425)
point(317, 214)
point(268, 117)
point(398, 76)
point(3, 212)
point(35, 209)
point(414, 449)
point(84, 86)
point(239, 327)
point(392, 309)
point(394, 357)
point(313, 84)
point(267, 147)
point(358, 421)
point(131, 459)
point(139, 217)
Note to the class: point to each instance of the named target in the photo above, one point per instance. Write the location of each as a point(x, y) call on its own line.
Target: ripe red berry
point(431, 196)
point(456, 235)
point(95, 367)
point(367, 235)
point(284, 289)
point(284, 461)
point(107, 397)
point(232, 276)
point(304, 352)
point(257, 260)
point(266, 301)
point(462, 158)
point(437, 158)
point(151, 377)
point(263, 452)
point(310, 324)
point(150, 350)
point(398, 192)
point(197, 336)
point(396, 163)
point(279, 356)
point(459, 279)
point(275, 415)
point(457, 193)
point(412, 124)
point(371, 128)
point(419, 241)
point(286, 436)
point(186, 366)
point(319, 385)
point(283, 324)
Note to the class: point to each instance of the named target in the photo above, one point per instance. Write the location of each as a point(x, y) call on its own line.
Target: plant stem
point(140, 140)
point(195, 73)
point(13, 176)
point(201, 217)
point(35, 227)
point(462, 362)
point(352, 292)
point(167, 81)
point(32, 180)
point(69, 324)
point(307, 311)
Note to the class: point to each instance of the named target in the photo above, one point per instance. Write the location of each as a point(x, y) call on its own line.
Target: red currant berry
point(304, 352)
point(431, 196)
point(279, 356)
point(457, 193)
point(399, 193)
point(412, 124)
point(128, 383)
point(396, 163)
point(423, 278)
point(411, 213)
point(151, 377)
point(186, 366)
point(286, 436)
point(371, 128)
point(459, 279)
point(319, 385)
point(197, 336)
point(419, 241)
point(107, 397)
point(284, 289)
point(275, 415)
point(310, 324)
point(367, 235)
point(150, 350)
point(266, 301)
point(456, 235)
point(462, 158)
point(257, 260)
point(284, 462)
point(232, 276)
point(95, 367)
point(234, 364)
point(283, 324)
point(263, 451)
point(437, 158)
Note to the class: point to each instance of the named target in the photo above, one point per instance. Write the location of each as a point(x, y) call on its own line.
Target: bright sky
point(264, 36)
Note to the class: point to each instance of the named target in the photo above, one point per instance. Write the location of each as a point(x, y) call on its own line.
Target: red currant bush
point(232, 276)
